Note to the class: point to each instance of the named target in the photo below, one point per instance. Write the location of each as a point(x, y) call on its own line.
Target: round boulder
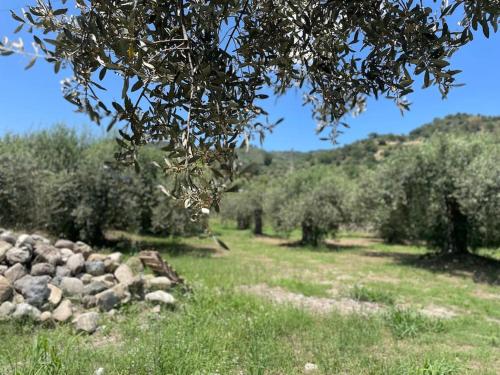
point(6, 309)
point(18, 255)
point(47, 254)
point(34, 289)
point(124, 274)
point(158, 283)
point(76, 263)
point(95, 268)
point(65, 244)
point(71, 286)
point(41, 269)
point(25, 240)
point(26, 311)
point(161, 297)
point(87, 322)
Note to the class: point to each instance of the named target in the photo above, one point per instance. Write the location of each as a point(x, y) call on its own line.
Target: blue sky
point(31, 100)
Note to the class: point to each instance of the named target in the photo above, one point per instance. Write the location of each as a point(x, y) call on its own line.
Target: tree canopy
point(193, 72)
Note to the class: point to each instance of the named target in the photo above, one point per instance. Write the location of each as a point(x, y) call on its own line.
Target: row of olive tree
point(444, 192)
point(316, 200)
point(71, 186)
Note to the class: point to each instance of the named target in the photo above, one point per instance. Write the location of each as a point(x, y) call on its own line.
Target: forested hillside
point(375, 147)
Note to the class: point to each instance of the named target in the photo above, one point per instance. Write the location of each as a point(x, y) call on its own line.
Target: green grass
point(405, 323)
point(362, 293)
point(218, 329)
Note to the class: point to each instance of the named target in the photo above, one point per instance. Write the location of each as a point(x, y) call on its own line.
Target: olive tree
point(313, 200)
point(444, 192)
point(193, 73)
point(246, 204)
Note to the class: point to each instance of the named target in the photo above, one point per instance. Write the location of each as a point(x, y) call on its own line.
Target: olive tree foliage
point(445, 192)
point(71, 186)
point(315, 200)
point(246, 204)
point(193, 72)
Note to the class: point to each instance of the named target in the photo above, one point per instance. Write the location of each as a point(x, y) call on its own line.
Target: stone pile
point(67, 281)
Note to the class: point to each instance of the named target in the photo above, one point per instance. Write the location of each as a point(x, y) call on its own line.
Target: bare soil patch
point(440, 312)
point(314, 304)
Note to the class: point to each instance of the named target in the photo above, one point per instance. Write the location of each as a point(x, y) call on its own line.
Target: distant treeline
point(71, 186)
point(439, 185)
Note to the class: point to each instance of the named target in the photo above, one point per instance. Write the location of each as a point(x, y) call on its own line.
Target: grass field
point(354, 306)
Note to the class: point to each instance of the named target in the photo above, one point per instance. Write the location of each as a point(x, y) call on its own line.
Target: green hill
point(372, 149)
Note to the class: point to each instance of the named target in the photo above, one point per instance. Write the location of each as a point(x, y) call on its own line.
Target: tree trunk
point(457, 227)
point(242, 222)
point(309, 236)
point(257, 229)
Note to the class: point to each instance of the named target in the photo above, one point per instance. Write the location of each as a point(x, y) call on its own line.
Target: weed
point(407, 323)
point(362, 293)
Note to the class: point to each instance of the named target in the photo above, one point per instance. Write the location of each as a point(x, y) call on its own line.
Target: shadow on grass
point(164, 245)
point(481, 269)
point(321, 248)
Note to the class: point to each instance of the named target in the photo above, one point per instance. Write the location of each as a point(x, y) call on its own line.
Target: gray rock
point(25, 241)
point(95, 287)
point(8, 237)
point(65, 244)
point(85, 277)
point(76, 263)
point(40, 238)
point(95, 268)
point(89, 301)
point(113, 261)
point(63, 311)
point(136, 288)
point(34, 289)
point(4, 247)
point(56, 280)
point(135, 265)
point(55, 295)
point(82, 248)
point(26, 311)
point(158, 283)
point(6, 309)
point(87, 322)
point(71, 286)
point(3, 269)
point(47, 254)
point(108, 279)
point(122, 292)
point(97, 257)
point(124, 274)
point(5, 289)
point(63, 271)
point(45, 316)
point(161, 297)
point(65, 254)
point(15, 272)
point(40, 269)
point(18, 255)
point(107, 300)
